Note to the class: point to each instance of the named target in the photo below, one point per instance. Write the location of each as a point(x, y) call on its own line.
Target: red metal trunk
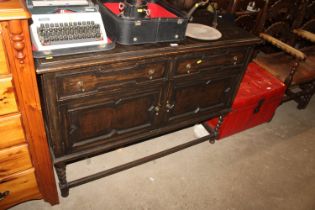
point(259, 95)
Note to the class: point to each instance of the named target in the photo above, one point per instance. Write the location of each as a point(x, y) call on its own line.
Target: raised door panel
point(102, 122)
point(191, 100)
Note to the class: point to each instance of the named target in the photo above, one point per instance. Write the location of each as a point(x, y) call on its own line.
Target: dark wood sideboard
point(98, 102)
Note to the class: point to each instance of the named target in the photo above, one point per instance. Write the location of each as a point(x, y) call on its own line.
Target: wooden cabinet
point(97, 102)
point(102, 106)
point(25, 165)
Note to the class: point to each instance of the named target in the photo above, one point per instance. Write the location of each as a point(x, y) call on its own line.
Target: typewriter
point(60, 28)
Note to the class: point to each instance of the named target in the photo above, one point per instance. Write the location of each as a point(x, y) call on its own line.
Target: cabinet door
point(109, 120)
point(192, 100)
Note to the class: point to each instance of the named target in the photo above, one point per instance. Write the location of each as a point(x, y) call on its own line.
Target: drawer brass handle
point(235, 59)
point(199, 61)
point(80, 85)
point(188, 66)
point(4, 194)
point(150, 73)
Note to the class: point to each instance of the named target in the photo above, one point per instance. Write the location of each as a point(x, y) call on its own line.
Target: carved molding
point(17, 39)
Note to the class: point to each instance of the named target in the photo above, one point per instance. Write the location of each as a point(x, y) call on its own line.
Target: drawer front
point(214, 61)
point(11, 131)
point(110, 77)
point(14, 159)
point(4, 67)
point(17, 188)
point(7, 96)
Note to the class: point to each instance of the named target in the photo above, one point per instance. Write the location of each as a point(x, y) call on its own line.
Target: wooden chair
point(295, 67)
point(255, 15)
point(250, 14)
point(236, 8)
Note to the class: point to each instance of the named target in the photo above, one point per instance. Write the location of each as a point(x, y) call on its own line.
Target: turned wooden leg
point(217, 129)
point(63, 184)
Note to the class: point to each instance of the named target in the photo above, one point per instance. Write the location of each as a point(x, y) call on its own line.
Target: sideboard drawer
point(13, 160)
point(203, 61)
point(109, 77)
point(7, 96)
point(11, 131)
point(18, 188)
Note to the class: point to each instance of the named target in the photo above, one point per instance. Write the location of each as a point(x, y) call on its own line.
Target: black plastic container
point(164, 24)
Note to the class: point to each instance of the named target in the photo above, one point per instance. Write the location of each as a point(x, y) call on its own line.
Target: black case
point(128, 31)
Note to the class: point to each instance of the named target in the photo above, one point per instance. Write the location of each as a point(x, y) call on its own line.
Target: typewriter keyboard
point(68, 32)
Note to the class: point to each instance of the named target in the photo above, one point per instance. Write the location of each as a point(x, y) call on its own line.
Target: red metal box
point(259, 95)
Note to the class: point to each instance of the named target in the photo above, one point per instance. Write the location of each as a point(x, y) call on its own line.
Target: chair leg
point(308, 91)
point(294, 66)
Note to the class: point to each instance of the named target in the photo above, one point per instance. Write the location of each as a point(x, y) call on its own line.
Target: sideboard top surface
point(232, 36)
